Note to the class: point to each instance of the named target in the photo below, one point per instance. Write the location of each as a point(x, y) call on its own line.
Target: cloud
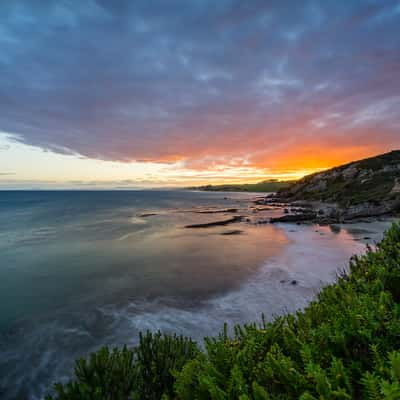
point(202, 82)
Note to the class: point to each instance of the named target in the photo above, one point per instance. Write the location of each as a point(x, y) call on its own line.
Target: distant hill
point(264, 186)
point(366, 187)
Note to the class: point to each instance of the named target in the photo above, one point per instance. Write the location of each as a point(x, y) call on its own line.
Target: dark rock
point(302, 204)
point(233, 232)
point(225, 210)
point(216, 223)
point(294, 218)
point(327, 221)
point(335, 228)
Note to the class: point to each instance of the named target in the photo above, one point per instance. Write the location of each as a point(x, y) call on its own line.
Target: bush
point(145, 372)
point(344, 345)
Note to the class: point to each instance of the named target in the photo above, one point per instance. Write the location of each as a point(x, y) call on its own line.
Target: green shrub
point(344, 345)
point(105, 375)
point(145, 372)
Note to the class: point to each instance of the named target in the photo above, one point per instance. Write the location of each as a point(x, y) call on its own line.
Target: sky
point(145, 93)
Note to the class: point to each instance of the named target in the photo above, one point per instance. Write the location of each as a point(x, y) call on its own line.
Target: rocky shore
point(283, 210)
point(328, 213)
point(367, 188)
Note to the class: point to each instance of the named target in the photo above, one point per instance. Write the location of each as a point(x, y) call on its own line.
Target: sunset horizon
point(154, 94)
point(82, 171)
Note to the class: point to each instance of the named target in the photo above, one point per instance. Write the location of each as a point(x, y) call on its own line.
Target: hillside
point(372, 179)
point(361, 188)
point(264, 186)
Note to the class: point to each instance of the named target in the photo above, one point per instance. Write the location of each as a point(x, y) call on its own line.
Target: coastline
point(297, 212)
point(284, 284)
point(307, 258)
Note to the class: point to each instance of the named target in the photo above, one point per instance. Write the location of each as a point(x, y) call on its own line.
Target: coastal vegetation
point(266, 186)
point(344, 345)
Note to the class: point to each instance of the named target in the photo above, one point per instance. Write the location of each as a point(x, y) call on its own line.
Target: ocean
point(82, 269)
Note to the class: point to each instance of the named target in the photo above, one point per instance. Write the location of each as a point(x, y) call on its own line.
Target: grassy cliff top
point(266, 186)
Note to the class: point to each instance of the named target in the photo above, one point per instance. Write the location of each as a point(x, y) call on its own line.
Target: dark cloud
point(199, 80)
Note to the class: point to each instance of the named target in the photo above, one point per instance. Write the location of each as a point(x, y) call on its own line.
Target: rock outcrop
point(365, 188)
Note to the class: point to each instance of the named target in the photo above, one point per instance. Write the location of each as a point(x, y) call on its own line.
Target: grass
point(264, 187)
point(344, 345)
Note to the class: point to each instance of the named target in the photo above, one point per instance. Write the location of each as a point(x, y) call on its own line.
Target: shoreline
point(295, 212)
point(283, 284)
point(308, 260)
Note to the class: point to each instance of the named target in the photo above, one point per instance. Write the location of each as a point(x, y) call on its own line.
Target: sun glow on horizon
point(37, 168)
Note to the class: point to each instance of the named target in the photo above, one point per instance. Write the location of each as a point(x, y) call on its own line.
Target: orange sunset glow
point(156, 107)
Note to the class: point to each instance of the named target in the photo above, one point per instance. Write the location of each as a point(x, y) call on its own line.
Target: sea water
point(82, 269)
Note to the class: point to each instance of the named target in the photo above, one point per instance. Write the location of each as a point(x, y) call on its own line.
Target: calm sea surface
point(81, 269)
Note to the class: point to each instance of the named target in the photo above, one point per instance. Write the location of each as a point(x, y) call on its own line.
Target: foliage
point(344, 345)
point(145, 372)
point(267, 186)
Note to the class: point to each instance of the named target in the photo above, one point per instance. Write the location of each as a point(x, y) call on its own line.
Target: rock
point(302, 204)
point(396, 187)
point(369, 209)
point(233, 232)
point(224, 210)
point(335, 228)
point(350, 172)
point(216, 223)
point(294, 218)
point(266, 208)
